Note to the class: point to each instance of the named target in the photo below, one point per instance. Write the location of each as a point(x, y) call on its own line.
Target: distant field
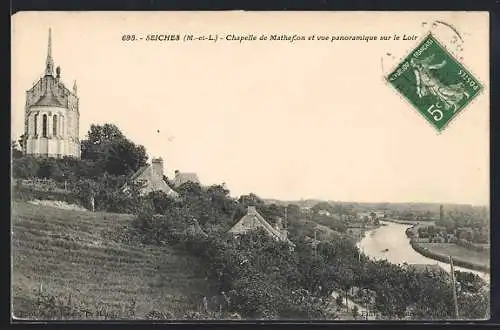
point(458, 252)
point(85, 255)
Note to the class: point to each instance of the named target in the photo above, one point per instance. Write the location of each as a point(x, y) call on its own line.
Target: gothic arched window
point(35, 122)
point(54, 125)
point(44, 126)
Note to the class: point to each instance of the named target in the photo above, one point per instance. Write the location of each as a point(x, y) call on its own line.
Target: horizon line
point(365, 202)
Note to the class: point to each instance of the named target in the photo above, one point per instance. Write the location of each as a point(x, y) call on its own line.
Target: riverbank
point(358, 233)
point(462, 256)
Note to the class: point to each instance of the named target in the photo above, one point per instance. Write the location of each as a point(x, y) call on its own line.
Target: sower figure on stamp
point(427, 83)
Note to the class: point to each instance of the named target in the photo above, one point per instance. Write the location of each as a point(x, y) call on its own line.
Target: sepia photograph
point(196, 166)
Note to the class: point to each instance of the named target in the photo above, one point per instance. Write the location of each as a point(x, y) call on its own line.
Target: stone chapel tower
point(52, 117)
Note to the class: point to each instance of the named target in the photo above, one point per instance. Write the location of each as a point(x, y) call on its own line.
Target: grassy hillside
point(90, 262)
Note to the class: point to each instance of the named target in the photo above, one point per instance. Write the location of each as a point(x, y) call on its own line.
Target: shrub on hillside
point(108, 194)
point(59, 169)
point(161, 201)
point(256, 296)
point(116, 201)
point(25, 167)
point(146, 223)
point(66, 307)
point(84, 190)
point(144, 216)
point(49, 168)
point(30, 193)
point(161, 229)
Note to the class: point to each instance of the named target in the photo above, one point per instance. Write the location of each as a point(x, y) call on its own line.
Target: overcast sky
point(283, 120)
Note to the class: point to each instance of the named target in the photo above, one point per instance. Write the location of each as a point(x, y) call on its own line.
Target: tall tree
point(24, 167)
point(108, 147)
point(250, 200)
point(98, 134)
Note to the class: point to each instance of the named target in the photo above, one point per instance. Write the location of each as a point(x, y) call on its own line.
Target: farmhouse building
point(151, 176)
point(252, 220)
point(183, 177)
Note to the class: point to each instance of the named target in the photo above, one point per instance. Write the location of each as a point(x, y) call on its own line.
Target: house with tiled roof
point(183, 177)
point(252, 220)
point(151, 176)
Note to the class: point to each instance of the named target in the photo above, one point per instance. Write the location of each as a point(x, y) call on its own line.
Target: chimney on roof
point(177, 172)
point(157, 165)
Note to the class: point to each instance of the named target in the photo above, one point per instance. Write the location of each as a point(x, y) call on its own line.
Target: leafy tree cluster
point(111, 152)
point(265, 279)
point(468, 223)
point(258, 275)
point(449, 233)
point(108, 159)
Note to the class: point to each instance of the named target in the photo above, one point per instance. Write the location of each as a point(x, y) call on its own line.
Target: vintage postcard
point(250, 166)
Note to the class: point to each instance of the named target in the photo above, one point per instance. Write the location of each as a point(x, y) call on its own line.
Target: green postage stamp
point(437, 85)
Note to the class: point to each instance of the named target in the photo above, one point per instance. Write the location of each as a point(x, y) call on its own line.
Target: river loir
point(392, 236)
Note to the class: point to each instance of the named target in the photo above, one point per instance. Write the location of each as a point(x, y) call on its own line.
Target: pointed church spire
point(49, 66)
point(75, 89)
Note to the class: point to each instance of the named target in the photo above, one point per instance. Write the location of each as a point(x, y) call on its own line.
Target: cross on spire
point(49, 66)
